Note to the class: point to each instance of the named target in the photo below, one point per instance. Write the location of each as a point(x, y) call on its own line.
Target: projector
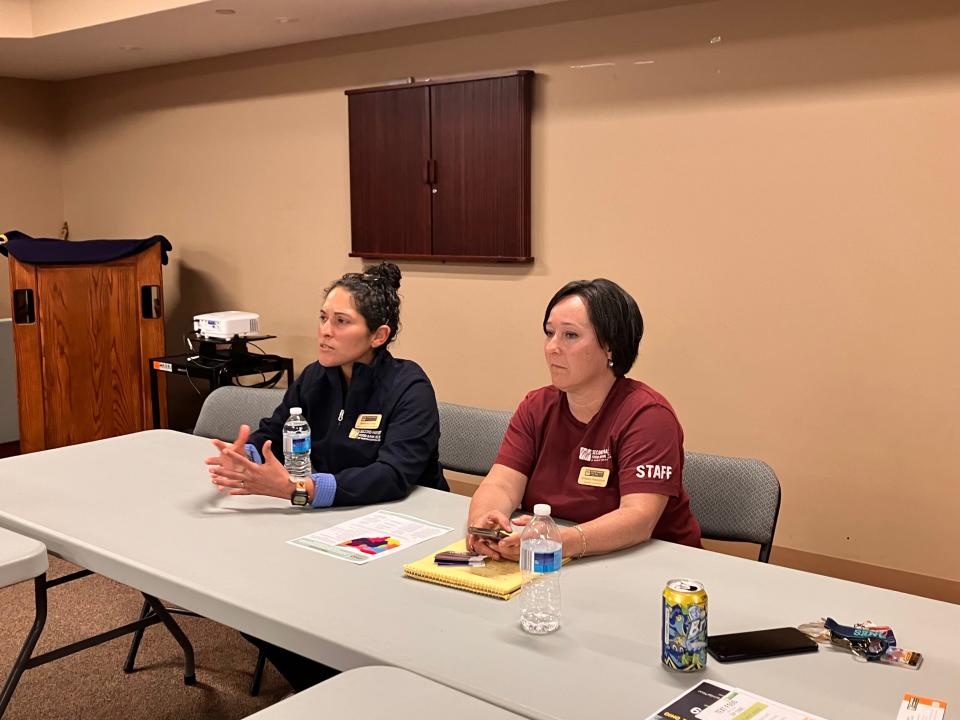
point(224, 325)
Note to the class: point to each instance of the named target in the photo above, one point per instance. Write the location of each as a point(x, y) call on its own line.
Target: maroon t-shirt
point(633, 445)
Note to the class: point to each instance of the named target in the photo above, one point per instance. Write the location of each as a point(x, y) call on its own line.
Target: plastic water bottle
point(541, 551)
point(296, 445)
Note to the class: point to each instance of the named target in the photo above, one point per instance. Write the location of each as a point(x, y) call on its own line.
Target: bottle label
point(296, 444)
point(547, 562)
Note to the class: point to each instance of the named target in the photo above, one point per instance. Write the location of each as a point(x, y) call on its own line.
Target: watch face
point(299, 494)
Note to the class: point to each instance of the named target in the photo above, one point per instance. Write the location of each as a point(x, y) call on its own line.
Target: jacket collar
point(363, 373)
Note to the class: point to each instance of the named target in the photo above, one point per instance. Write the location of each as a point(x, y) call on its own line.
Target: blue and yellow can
point(684, 626)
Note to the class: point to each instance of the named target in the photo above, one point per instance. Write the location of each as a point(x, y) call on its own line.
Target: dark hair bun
point(389, 272)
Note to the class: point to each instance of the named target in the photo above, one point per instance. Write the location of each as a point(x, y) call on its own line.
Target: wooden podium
point(82, 335)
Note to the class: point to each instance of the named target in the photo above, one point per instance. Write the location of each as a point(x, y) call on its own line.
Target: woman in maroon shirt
point(604, 451)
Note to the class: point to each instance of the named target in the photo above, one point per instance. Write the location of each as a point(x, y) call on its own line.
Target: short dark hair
point(375, 295)
point(615, 317)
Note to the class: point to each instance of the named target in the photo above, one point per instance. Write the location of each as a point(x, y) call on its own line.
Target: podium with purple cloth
point(87, 315)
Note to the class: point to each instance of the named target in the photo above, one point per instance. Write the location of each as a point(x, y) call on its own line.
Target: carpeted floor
point(91, 684)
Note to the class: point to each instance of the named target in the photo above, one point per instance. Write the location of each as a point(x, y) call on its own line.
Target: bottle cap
point(296, 411)
point(541, 509)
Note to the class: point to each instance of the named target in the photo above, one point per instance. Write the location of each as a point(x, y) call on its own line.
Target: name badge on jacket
point(595, 477)
point(368, 422)
point(367, 428)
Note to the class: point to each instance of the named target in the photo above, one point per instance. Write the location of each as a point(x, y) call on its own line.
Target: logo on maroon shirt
point(654, 472)
point(595, 455)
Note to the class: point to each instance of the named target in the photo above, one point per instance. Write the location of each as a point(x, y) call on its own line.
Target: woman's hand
point(233, 473)
point(509, 547)
point(237, 446)
point(484, 546)
point(506, 549)
point(497, 495)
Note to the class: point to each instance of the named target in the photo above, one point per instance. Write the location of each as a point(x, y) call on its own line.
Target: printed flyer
point(370, 537)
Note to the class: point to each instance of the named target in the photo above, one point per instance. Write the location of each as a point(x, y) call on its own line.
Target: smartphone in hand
point(495, 534)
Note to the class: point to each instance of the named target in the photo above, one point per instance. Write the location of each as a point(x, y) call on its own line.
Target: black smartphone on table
point(759, 644)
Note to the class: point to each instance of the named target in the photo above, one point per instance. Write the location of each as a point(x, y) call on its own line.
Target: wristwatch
point(299, 495)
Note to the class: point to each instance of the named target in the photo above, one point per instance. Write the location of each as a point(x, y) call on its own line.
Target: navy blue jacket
point(377, 439)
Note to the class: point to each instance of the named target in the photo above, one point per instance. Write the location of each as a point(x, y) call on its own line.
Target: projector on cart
point(227, 324)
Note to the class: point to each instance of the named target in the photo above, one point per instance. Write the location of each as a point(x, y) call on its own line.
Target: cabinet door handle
point(431, 171)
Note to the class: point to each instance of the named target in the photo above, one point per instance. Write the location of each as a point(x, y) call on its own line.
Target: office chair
point(733, 498)
point(227, 408)
point(470, 437)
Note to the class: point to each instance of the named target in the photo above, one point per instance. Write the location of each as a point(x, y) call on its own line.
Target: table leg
point(258, 673)
point(135, 641)
point(189, 671)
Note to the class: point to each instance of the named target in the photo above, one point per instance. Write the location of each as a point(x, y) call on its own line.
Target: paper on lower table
point(915, 707)
point(691, 704)
point(739, 704)
point(371, 536)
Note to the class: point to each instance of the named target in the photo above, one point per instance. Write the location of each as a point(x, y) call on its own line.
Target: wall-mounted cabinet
point(441, 170)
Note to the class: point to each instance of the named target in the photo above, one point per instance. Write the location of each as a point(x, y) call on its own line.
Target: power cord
point(219, 364)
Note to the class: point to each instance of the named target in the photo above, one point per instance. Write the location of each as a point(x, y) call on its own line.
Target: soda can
point(684, 626)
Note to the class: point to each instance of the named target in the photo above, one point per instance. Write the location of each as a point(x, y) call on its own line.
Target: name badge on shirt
point(368, 422)
point(367, 428)
point(595, 477)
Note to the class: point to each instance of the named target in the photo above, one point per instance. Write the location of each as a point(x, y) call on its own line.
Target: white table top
point(140, 509)
point(382, 693)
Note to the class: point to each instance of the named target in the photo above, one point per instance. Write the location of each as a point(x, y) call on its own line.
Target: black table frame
point(154, 612)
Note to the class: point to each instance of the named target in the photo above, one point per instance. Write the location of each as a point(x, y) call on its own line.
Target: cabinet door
point(389, 152)
point(481, 144)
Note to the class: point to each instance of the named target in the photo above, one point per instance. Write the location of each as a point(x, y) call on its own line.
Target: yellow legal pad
point(497, 578)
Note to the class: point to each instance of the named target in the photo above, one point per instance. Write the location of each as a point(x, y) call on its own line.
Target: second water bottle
point(541, 553)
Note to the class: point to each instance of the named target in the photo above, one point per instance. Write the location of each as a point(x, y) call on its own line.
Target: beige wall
point(776, 182)
point(31, 196)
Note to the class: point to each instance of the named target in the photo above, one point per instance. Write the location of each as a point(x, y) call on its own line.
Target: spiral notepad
point(497, 578)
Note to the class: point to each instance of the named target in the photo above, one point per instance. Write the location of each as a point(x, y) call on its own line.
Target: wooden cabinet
point(82, 348)
point(441, 170)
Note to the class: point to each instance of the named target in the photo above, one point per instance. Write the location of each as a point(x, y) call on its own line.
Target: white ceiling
point(64, 39)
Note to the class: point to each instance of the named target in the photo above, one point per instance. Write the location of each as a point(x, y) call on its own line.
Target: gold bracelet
point(583, 542)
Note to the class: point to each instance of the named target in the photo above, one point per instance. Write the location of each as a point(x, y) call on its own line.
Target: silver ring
point(243, 484)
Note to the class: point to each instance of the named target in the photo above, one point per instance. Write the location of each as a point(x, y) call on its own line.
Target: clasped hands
point(233, 473)
point(506, 549)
